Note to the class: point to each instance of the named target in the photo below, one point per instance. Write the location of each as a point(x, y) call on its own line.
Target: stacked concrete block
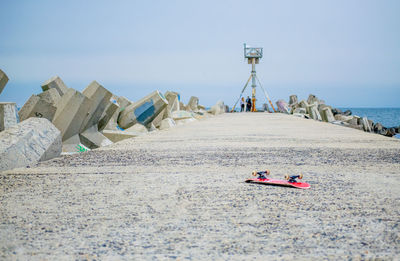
point(144, 111)
point(56, 83)
point(51, 96)
point(3, 80)
point(354, 120)
point(40, 106)
point(293, 99)
point(8, 115)
point(157, 120)
point(193, 103)
point(313, 112)
point(173, 102)
point(123, 102)
point(282, 106)
point(344, 118)
point(366, 124)
point(112, 124)
point(303, 104)
point(93, 139)
point(99, 98)
point(218, 108)
point(167, 123)
point(29, 142)
point(327, 115)
point(71, 111)
point(312, 99)
point(109, 118)
point(118, 135)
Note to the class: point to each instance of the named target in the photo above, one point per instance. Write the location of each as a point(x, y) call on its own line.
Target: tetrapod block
point(144, 111)
point(56, 83)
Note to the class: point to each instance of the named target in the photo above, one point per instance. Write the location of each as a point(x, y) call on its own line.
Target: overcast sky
point(345, 52)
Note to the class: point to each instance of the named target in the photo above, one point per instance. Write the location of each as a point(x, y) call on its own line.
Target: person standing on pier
point(248, 104)
point(242, 105)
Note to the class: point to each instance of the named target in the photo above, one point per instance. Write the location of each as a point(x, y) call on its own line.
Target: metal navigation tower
point(253, 56)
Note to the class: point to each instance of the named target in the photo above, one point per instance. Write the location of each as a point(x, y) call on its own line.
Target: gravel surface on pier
point(180, 194)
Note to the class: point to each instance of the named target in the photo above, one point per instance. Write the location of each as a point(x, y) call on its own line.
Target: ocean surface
point(388, 117)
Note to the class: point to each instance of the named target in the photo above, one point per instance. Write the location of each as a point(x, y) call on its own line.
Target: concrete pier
point(180, 193)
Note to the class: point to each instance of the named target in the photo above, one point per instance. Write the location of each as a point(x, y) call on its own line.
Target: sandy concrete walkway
point(180, 194)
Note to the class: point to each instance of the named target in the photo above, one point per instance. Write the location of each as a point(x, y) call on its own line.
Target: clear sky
point(346, 52)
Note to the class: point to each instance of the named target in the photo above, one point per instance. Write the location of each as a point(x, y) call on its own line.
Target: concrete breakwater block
point(117, 135)
point(123, 102)
point(282, 106)
point(193, 103)
point(157, 120)
point(109, 118)
point(40, 107)
point(3, 80)
point(293, 100)
point(56, 83)
point(366, 124)
point(29, 142)
point(312, 99)
point(8, 115)
point(173, 99)
point(218, 108)
point(312, 110)
point(327, 115)
point(93, 139)
point(71, 111)
point(144, 111)
point(303, 104)
point(51, 96)
point(99, 100)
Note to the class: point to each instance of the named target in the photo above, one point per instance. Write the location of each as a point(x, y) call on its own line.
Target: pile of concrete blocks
point(77, 115)
point(29, 142)
point(95, 117)
point(64, 120)
point(316, 109)
point(25, 143)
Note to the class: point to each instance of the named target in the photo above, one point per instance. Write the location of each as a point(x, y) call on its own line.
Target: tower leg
point(253, 84)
